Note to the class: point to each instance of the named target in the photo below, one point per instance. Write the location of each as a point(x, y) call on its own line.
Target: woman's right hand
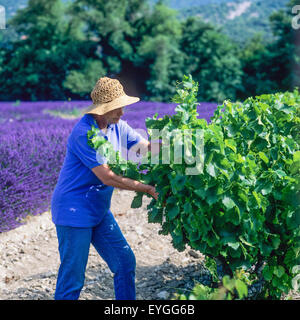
point(151, 190)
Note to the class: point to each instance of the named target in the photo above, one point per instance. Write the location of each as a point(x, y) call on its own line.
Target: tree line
point(59, 50)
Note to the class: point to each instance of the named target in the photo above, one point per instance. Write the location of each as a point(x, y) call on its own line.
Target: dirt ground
point(29, 259)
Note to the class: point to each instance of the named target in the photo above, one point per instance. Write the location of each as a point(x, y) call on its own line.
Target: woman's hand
point(151, 190)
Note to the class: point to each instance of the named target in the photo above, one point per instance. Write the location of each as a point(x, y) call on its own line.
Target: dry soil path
point(29, 258)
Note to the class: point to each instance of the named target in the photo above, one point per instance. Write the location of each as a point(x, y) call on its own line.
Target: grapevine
point(242, 207)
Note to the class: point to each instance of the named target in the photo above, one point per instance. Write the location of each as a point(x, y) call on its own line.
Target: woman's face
point(114, 115)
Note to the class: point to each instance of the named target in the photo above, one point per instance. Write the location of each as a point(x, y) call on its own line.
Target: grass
point(68, 114)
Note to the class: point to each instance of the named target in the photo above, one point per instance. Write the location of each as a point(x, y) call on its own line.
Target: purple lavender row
point(33, 141)
point(31, 111)
point(31, 154)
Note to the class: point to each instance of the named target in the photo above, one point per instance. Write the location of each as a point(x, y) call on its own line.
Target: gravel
point(29, 258)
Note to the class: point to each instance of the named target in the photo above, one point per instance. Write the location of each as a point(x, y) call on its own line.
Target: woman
point(81, 200)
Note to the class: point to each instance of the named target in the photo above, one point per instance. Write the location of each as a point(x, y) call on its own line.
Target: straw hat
point(107, 95)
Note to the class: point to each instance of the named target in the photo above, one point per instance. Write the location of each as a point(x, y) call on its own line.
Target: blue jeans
point(108, 240)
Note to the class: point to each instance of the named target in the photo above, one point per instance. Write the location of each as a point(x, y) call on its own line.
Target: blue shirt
point(80, 199)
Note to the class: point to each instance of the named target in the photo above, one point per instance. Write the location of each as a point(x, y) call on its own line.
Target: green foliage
point(113, 25)
point(117, 164)
point(234, 288)
point(35, 67)
point(274, 66)
point(53, 50)
point(212, 59)
point(266, 192)
point(254, 20)
point(243, 207)
point(159, 48)
point(83, 81)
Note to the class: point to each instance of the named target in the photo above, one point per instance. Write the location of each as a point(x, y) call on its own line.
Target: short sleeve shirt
point(80, 198)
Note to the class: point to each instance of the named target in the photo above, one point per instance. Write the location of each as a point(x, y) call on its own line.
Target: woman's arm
point(109, 178)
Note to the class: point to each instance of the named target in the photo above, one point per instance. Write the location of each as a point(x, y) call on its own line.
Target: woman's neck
point(101, 122)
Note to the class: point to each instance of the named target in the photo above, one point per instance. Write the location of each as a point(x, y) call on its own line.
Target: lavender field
point(33, 144)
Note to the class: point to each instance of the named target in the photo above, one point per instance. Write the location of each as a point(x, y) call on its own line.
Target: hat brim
point(103, 108)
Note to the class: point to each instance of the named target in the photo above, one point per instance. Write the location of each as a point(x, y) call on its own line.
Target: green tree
point(35, 66)
point(286, 48)
point(82, 81)
point(211, 58)
point(115, 28)
point(133, 37)
point(113, 25)
point(254, 80)
point(159, 49)
point(275, 66)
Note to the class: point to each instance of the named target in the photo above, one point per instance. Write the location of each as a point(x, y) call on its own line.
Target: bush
point(32, 149)
point(243, 208)
point(229, 289)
